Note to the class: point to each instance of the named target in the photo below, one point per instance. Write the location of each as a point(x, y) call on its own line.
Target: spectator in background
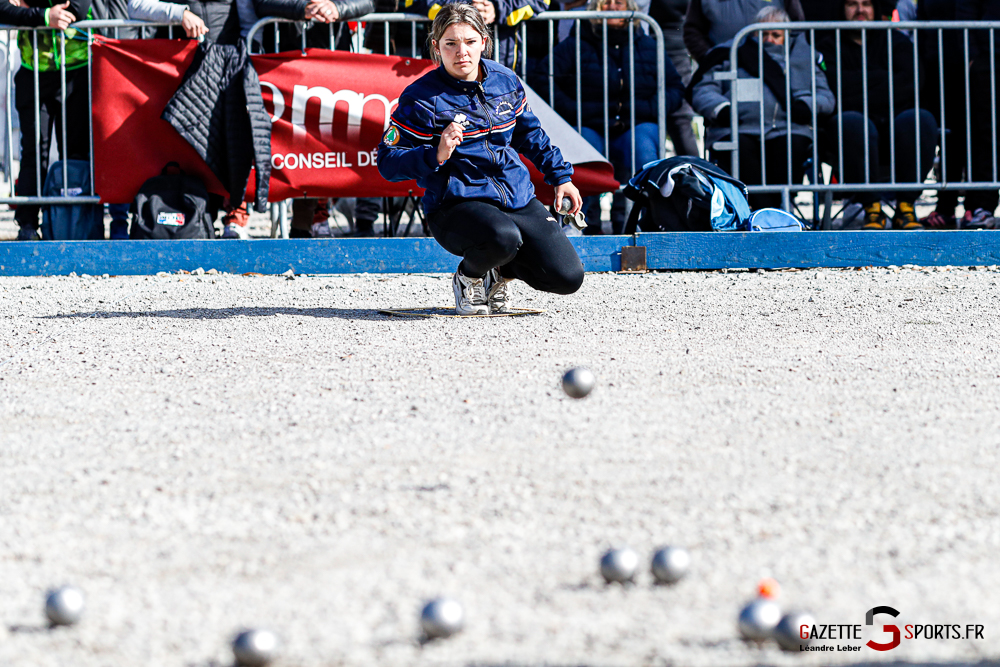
point(711, 22)
point(912, 161)
point(953, 143)
point(506, 15)
point(618, 109)
point(711, 99)
point(669, 15)
point(227, 22)
point(981, 205)
point(39, 13)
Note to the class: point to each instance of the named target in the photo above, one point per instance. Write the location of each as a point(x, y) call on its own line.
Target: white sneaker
point(470, 295)
point(499, 293)
point(234, 231)
point(320, 230)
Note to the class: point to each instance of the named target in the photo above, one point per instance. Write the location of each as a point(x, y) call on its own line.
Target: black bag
point(699, 197)
point(71, 222)
point(173, 205)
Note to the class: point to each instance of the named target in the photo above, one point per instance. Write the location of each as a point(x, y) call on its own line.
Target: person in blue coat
point(624, 86)
point(458, 131)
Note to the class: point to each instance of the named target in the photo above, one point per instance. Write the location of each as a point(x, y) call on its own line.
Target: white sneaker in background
point(320, 230)
point(234, 231)
point(470, 295)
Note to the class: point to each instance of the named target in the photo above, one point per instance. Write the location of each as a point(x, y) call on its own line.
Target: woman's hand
point(323, 11)
point(194, 27)
point(450, 139)
point(60, 17)
point(569, 191)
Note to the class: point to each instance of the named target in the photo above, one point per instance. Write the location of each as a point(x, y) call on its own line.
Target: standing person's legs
point(853, 168)
point(366, 211)
point(913, 161)
point(980, 205)
point(32, 164)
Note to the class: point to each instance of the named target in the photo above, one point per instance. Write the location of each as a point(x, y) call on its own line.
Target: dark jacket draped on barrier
point(219, 110)
point(592, 77)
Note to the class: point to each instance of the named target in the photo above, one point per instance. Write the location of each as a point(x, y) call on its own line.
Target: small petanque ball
point(441, 617)
point(758, 620)
point(578, 382)
point(618, 566)
point(670, 564)
point(64, 605)
point(255, 648)
point(787, 632)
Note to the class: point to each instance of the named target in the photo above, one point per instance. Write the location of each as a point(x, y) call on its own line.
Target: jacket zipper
point(489, 149)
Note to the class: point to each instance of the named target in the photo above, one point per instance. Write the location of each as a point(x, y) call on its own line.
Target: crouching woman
point(458, 131)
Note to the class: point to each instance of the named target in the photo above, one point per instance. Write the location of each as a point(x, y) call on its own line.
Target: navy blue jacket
point(498, 125)
point(592, 75)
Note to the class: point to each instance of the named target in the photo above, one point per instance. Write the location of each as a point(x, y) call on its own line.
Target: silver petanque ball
point(618, 566)
point(788, 632)
point(578, 382)
point(441, 617)
point(255, 648)
point(64, 606)
point(758, 619)
point(670, 564)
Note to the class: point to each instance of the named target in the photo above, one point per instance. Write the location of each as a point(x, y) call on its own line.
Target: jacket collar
point(467, 87)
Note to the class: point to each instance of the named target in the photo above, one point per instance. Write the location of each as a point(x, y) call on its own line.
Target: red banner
point(329, 110)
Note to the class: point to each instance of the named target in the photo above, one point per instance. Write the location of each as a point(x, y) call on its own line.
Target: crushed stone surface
point(203, 453)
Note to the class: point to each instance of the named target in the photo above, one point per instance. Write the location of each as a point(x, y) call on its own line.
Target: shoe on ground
point(470, 295)
point(364, 231)
point(320, 229)
point(498, 292)
point(978, 219)
point(233, 230)
point(939, 220)
point(296, 233)
point(875, 219)
point(118, 230)
point(28, 233)
point(906, 218)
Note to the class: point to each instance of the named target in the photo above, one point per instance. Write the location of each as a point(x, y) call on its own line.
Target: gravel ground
point(204, 453)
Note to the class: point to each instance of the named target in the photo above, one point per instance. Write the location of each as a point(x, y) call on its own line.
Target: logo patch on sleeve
point(391, 136)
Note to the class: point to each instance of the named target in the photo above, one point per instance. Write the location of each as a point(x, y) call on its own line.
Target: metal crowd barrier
point(87, 27)
point(750, 90)
point(335, 36)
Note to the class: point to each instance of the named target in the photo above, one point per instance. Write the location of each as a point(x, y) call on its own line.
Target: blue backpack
point(71, 222)
point(686, 194)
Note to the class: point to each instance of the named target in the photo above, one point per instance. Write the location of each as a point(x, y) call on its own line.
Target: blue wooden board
point(424, 255)
point(772, 250)
point(379, 255)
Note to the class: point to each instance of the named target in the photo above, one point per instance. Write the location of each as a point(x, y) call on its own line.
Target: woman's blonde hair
point(596, 6)
point(453, 14)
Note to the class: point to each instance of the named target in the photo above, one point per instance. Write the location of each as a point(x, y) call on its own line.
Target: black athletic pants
point(50, 122)
point(526, 243)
